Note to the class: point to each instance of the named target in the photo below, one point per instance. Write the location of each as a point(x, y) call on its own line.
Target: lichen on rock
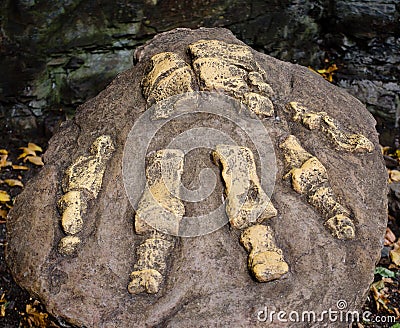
point(331, 128)
point(309, 177)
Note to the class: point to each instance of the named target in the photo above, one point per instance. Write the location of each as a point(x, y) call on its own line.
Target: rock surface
point(207, 282)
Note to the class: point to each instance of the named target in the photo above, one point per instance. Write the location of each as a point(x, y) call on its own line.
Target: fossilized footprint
point(82, 182)
point(309, 177)
point(159, 213)
point(247, 205)
point(217, 66)
point(265, 260)
point(231, 68)
point(331, 128)
point(246, 202)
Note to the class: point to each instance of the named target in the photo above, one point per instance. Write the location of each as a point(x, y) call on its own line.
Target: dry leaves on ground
point(3, 305)
point(11, 174)
point(34, 317)
point(328, 72)
point(29, 154)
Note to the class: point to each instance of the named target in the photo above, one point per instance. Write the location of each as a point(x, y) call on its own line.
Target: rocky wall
point(55, 55)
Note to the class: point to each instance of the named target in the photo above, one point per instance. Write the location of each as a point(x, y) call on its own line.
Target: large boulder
point(100, 248)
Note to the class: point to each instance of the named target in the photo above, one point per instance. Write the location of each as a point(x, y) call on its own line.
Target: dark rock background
point(54, 55)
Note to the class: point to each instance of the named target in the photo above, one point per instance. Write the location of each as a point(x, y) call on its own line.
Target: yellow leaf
point(3, 152)
point(3, 161)
point(34, 147)
point(4, 196)
point(332, 68)
point(395, 175)
point(3, 214)
point(385, 150)
point(34, 160)
point(14, 182)
point(36, 318)
point(22, 155)
point(27, 151)
point(2, 310)
point(312, 70)
point(395, 256)
point(20, 167)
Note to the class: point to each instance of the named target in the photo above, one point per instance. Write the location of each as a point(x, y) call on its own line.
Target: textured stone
point(205, 280)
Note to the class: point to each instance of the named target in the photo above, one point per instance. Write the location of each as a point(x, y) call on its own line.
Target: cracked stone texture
point(207, 283)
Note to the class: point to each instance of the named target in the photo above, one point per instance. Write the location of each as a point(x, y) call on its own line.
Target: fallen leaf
point(20, 167)
point(3, 152)
point(390, 237)
point(35, 317)
point(395, 175)
point(34, 147)
point(380, 284)
point(380, 298)
point(383, 272)
point(389, 280)
point(34, 160)
point(3, 214)
point(4, 196)
point(26, 152)
point(385, 150)
point(395, 256)
point(14, 183)
point(3, 305)
point(4, 162)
